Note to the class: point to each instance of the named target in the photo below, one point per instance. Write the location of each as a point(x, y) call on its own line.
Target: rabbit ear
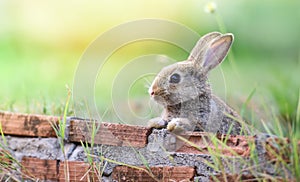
point(196, 54)
point(216, 52)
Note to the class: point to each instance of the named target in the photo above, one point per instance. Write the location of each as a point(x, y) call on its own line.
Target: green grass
point(60, 131)
point(9, 166)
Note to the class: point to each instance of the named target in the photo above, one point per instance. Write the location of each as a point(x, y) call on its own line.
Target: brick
point(39, 169)
point(278, 148)
point(77, 171)
point(7, 162)
point(157, 173)
point(200, 142)
point(109, 134)
point(247, 177)
point(27, 124)
point(5, 157)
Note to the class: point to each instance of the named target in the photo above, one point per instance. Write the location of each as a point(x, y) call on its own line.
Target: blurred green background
point(41, 44)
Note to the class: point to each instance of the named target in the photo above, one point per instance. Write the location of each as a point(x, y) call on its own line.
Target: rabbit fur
point(185, 93)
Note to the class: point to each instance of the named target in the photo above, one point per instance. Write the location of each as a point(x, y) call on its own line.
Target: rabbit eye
point(175, 78)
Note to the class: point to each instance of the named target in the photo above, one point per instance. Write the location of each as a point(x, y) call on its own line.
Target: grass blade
point(243, 109)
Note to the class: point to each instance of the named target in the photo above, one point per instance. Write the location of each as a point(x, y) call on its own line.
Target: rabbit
point(185, 93)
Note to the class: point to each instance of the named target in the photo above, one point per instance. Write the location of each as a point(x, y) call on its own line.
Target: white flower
point(210, 7)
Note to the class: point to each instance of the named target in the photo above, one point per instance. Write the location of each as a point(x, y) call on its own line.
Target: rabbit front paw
point(157, 123)
point(179, 125)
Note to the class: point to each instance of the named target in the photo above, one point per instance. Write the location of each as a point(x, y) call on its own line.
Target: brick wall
point(137, 153)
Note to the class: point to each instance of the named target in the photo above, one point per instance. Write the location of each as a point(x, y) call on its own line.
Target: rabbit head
point(187, 80)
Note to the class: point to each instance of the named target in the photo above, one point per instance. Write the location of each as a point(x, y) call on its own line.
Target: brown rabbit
point(184, 91)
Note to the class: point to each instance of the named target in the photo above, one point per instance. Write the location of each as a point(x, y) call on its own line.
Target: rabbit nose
point(153, 90)
point(152, 93)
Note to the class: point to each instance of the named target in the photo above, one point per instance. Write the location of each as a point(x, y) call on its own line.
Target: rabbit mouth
point(166, 99)
point(160, 97)
point(163, 97)
point(160, 100)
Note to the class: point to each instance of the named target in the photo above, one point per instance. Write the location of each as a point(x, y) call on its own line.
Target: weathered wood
point(161, 173)
point(27, 124)
point(109, 133)
point(39, 169)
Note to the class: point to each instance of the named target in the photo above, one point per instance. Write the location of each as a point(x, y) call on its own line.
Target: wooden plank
point(200, 142)
point(109, 134)
point(157, 173)
point(39, 169)
point(27, 124)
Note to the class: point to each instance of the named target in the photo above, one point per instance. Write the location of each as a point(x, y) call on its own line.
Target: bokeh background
point(42, 42)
